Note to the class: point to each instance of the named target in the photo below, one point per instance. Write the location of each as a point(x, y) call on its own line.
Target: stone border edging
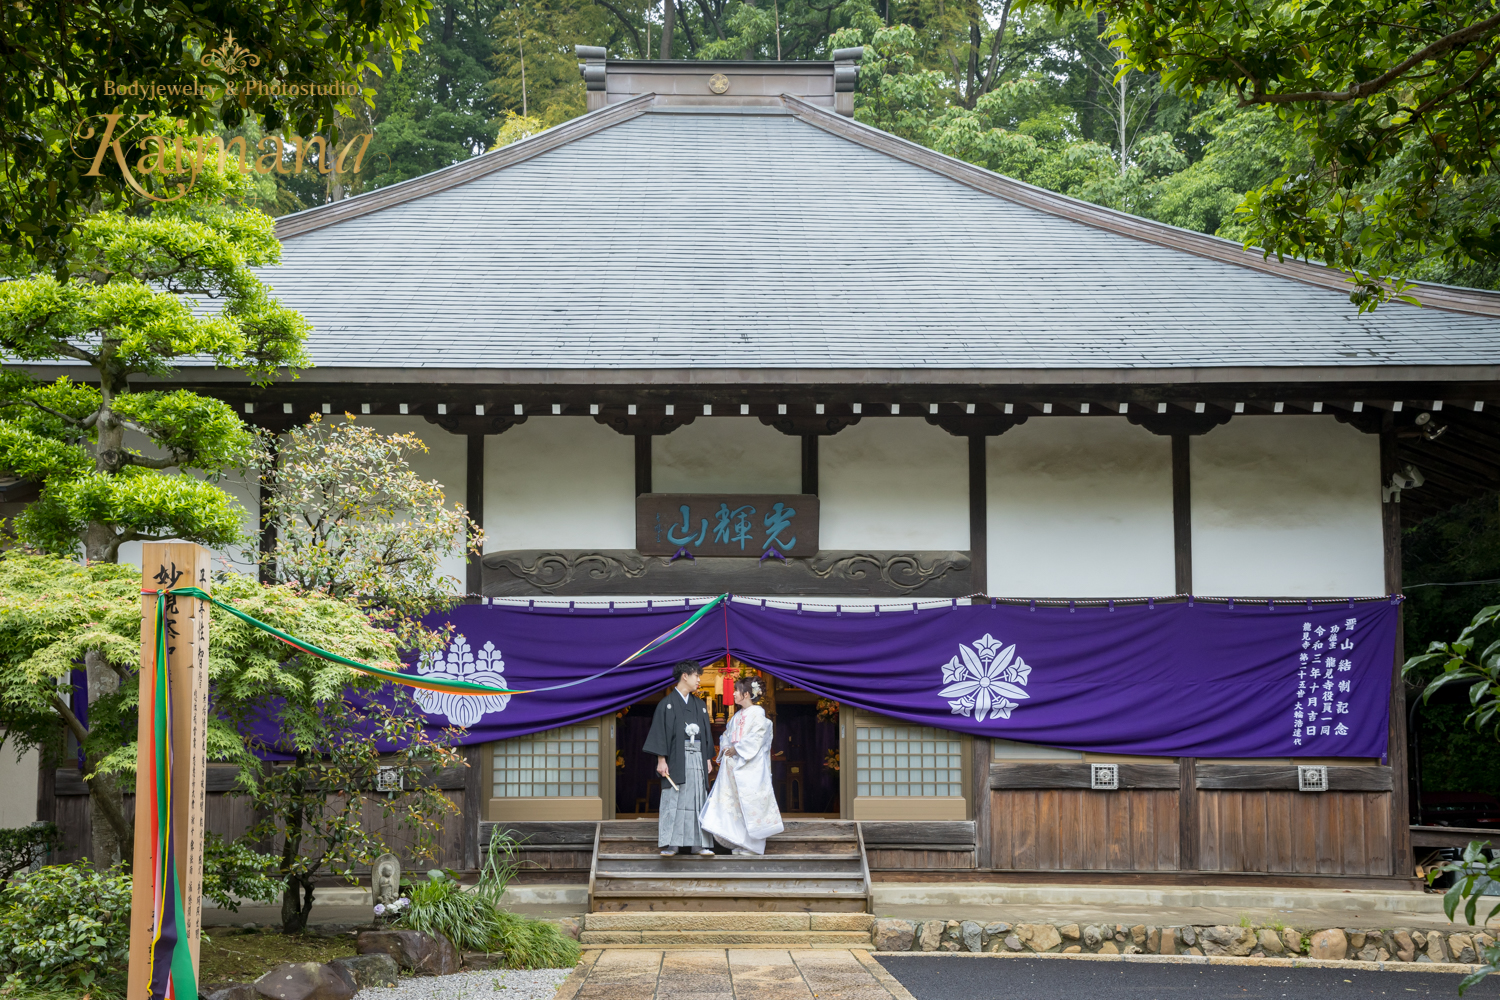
point(881, 974)
point(569, 987)
point(1270, 963)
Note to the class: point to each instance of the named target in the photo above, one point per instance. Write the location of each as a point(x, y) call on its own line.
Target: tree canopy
point(63, 64)
point(134, 306)
point(1397, 105)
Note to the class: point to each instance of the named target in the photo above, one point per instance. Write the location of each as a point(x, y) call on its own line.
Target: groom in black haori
point(679, 732)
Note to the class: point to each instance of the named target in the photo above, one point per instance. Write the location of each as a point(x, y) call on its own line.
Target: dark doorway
point(804, 761)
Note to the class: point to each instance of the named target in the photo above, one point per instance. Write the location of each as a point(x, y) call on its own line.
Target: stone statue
point(385, 879)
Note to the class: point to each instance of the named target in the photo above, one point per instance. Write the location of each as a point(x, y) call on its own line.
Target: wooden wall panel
point(1072, 829)
point(1270, 830)
point(887, 859)
point(230, 815)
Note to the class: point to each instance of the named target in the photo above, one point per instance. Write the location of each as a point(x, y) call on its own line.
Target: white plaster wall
point(726, 455)
point(446, 460)
point(17, 787)
point(1287, 506)
point(559, 483)
point(1080, 507)
point(894, 483)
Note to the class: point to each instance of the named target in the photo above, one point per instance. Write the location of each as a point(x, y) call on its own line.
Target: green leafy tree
point(132, 306)
point(1395, 101)
point(57, 58)
point(439, 105)
point(1471, 661)
point(128, 310)
point(353, 522)
point(262, 703)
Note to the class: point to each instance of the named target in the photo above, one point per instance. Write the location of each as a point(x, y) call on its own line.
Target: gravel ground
point(493, 984)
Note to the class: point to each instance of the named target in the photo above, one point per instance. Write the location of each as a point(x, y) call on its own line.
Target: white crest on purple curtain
point(459, 663)
point(981, 681)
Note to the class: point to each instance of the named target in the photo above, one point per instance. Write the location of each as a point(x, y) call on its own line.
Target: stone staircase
point(815, 867)
point(723, 929)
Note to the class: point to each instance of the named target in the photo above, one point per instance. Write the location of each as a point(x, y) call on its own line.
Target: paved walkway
point(730, 974)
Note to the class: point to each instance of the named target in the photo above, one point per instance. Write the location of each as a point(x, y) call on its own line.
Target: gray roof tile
point(761, 241)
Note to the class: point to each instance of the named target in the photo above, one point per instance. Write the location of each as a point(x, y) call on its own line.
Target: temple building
point(718, 284)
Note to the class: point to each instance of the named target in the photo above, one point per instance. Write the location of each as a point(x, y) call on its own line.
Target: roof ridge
point(462, 172)
point(1470, 301)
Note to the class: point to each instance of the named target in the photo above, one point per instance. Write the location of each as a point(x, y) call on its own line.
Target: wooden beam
point(1020, 776)
point(538, 833)
point(1283, 777)
point(983, 797)
point(1187, 815)
point(1182, 512)
point(474, 501)
point(1449, 836)
point(810, 464)
point(950, 834)
point(642, 464)
point(1401, 856)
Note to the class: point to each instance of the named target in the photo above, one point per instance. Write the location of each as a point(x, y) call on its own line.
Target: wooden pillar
point(1187, 815)
point(810, 464)
point(1182, 551)
point(983, 798)
point(1390, 521)
point(979, 564)
point(267, 526)
point(642, 464)
point(1182, 513)
point(46, 789)
point(978, 515)
point(166, 565)
point(474, 501)
point(473, 805)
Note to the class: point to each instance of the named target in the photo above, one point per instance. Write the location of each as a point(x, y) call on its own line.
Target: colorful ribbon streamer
point(171, 974)
point(435, 683)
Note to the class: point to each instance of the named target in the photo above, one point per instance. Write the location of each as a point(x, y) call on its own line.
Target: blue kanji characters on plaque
point(687, 530)
point(734, 525)
point(778, 520)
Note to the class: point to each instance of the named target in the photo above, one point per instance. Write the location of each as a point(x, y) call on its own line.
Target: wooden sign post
point(166, 565)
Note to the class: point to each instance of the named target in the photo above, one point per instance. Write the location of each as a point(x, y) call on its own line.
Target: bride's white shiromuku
point(741, 810)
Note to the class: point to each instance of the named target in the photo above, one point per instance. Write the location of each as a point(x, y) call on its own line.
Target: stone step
point(728, 921)
point(714, 902)
point(712, 872)
point(636, 836)
point(814, 944)
point(732, 858)
point(748, 939)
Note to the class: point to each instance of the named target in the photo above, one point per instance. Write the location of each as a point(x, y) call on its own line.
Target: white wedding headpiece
point(755, 689)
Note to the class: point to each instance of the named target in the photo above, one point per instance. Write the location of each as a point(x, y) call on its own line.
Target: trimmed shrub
point(66, 928)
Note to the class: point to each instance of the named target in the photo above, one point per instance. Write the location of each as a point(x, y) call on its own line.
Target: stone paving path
point(730, 974)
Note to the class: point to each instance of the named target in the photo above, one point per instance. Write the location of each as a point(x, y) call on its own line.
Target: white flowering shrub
point(66, 928)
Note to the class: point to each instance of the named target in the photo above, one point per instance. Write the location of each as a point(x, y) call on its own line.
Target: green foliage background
point(1460, 545)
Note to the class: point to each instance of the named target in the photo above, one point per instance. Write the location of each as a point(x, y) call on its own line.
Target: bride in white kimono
point(741, 810)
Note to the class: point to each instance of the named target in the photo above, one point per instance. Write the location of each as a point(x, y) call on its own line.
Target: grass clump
point(474, 920)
